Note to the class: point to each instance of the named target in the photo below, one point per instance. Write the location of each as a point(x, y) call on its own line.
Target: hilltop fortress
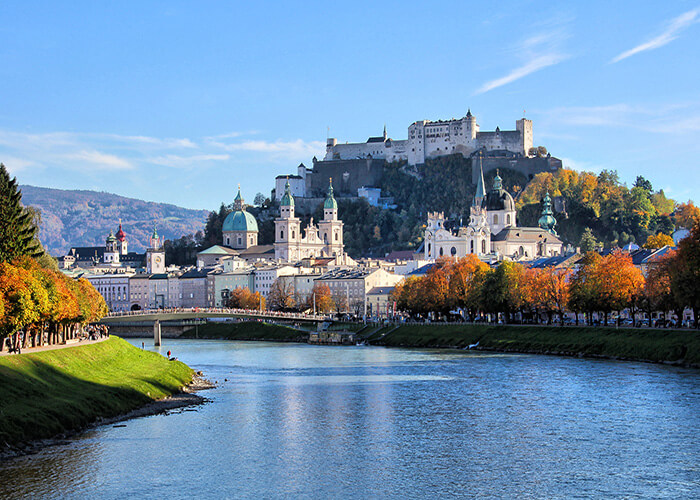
point(428, 139)
point(358, 168)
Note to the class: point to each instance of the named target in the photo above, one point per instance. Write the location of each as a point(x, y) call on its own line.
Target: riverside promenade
point(52, 347)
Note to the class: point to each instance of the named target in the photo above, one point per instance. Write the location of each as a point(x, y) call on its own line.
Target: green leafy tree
point(588, 242)
point(17, 228)
point(503, 289)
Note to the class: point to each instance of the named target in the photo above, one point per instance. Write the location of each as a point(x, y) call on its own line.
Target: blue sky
point(180, 101)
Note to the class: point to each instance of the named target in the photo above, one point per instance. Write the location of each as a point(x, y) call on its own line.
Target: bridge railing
point(219, 310)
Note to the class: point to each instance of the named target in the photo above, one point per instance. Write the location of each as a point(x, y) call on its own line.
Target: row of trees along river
point(599, 284)
point(35, 297)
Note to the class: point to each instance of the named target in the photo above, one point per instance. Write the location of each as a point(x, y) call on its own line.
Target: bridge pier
point(156, 333)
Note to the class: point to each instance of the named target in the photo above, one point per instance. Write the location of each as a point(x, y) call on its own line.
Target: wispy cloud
point(673, 29)
point(177, 161)
point(539, 52)
point(674, 118)
point(90, 154)
point(97, 159)
point(280, 148)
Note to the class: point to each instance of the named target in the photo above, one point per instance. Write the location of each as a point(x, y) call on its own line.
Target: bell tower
point(331, 228)
point(287, 229)
point(155, 255)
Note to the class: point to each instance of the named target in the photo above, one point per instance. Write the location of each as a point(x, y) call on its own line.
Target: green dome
point(111, 237)
point(240, 220)
point(330, 202)
point(287, 199)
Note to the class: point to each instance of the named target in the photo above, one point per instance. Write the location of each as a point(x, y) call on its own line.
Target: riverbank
point(58, 392)
point(247, 330)
point(658, 346)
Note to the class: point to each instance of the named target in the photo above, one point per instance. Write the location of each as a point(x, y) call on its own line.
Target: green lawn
point(626, 343)
point(247, 330)
point(46, 393)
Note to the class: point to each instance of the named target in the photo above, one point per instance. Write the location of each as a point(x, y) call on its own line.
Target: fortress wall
point(357, 150)
point(510, 140)
point(348, 176)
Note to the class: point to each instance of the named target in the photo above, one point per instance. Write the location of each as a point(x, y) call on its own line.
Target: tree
point(658, 295)
point(547, 289)
point(320, 296)
point(685, 280)
point(644, 184)
point(686, 215)
point(658, 241)
point(466, 282)
point(17, 228)
point(504, 290)
point(618, 281)
point(259, 200)
point(584, 286)
point(243, 298)
point(588, 242)
point(281, 296)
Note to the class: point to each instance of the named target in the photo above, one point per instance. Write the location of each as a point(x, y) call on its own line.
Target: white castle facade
point(428, 139)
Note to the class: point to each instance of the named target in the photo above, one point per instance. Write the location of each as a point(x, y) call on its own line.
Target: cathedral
point(492, 233)
point(292, 243)
point(324, 240)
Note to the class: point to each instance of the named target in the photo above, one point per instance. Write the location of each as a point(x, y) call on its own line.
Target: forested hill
point(85, 218)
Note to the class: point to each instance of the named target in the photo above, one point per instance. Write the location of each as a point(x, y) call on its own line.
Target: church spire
point(480, 191)
point(238, 202)
point(547, 221)
point(385, 132)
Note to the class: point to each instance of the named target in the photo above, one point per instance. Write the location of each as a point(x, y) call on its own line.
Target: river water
point(300, 421)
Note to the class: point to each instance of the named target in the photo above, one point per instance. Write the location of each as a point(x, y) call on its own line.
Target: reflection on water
point(318, 422)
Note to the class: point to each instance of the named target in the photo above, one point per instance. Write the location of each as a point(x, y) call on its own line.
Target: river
point(300, 421)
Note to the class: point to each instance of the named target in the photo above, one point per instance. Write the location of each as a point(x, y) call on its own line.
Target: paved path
point(53, 346)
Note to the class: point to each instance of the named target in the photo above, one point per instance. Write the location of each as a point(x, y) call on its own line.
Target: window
point(508, 219)
point(441, 252)
point(293, 233)
point(429, 248)
point(453, 251)
point(239, 240)
point(495, 218)
point(282, 234)
point(336, 236)
point(471, 246)
point(483, 246)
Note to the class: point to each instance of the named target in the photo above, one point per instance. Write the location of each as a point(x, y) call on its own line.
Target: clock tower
point(155, 255)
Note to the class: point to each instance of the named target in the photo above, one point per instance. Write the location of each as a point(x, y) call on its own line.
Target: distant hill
point(85, 218)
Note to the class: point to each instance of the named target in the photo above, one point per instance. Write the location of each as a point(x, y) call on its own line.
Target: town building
point(349, 287)
point(114, 288)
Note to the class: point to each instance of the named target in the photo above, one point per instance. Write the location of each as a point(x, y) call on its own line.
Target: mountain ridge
point(84, 218)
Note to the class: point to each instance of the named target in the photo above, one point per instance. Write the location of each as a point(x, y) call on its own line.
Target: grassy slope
point(247, 330)
point(648, 345)
point(46, 393)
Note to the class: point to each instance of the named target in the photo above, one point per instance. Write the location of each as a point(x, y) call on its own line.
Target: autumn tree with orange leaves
point(45, 305)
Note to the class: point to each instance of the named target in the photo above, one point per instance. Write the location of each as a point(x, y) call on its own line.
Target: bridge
point(193, 316)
